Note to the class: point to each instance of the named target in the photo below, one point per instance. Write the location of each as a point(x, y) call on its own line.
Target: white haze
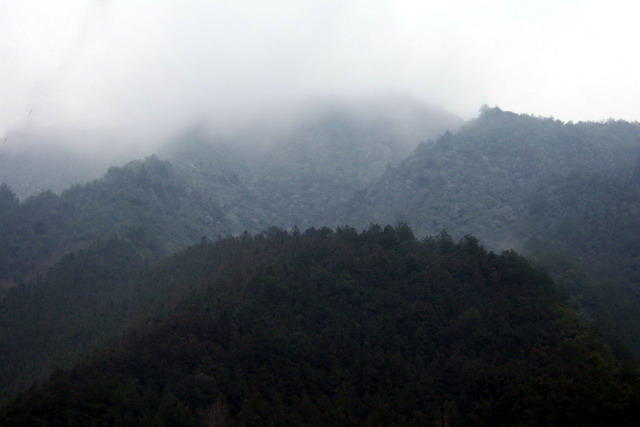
point(143, 70)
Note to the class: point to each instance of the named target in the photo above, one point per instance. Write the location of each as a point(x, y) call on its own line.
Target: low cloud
point(146, 69)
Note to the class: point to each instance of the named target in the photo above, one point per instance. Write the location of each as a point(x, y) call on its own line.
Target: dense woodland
point(143, 195)
point(296, 176)
point(345, 328)
point(84, 300)
point(89, 271)
point(565, 194)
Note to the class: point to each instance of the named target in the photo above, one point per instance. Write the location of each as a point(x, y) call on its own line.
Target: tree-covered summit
point(565, 194)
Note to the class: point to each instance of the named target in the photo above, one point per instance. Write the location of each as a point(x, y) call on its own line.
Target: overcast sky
point(159, 64)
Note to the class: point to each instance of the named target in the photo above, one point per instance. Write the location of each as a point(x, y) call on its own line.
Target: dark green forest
point(344, 328)
point(83, 301)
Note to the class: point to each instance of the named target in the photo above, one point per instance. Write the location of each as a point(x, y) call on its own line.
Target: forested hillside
point(82, 267)
point(208, 185)
point(84, 300)
point(145, 195)
point(34, 159)
point(302, 173)
point(566, 194)
point(501, 170)
point(344, 328)
point(223, 213)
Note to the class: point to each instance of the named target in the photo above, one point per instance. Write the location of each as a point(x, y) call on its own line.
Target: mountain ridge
point(564, 194)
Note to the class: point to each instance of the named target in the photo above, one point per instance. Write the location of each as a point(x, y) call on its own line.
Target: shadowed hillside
point(334, 327)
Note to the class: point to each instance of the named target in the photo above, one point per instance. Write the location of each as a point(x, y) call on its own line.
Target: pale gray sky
point(151, 66)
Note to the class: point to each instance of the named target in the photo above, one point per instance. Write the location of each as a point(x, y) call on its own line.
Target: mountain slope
point(301, 171)
point(566, 194)
point(83, 301)
point(33, 160)
point(327, 328)
point(270, 174)
point(487, 178)
point(142, 195)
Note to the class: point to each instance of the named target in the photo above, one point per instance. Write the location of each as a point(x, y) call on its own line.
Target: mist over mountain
point(292, 213)
point(302, 170)
point(33, 160)
point(497, 174)
point(383, 127)
point(565, 194)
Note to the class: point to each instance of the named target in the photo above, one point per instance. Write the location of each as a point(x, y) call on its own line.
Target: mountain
point(271, 174)
point(81, 268)
point(212, 187)
point(146, 195)
point(499, 172)
point(301, 171)
point(33, 160)
point(566, 194)
point(343, 328)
